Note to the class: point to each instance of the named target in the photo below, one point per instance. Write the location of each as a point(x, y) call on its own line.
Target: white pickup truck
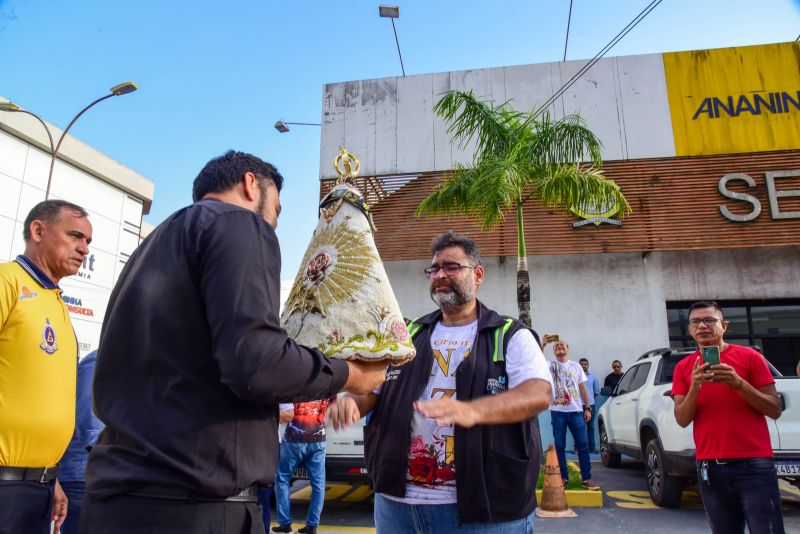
point(638, 421)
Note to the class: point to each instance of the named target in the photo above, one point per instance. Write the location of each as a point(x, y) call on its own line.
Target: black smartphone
point(710, 356)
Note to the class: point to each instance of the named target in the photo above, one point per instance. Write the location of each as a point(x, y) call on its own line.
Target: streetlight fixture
point(282, 127)
point(389, 12)
point(10, 106)
point(120, 89)
point(393, 12)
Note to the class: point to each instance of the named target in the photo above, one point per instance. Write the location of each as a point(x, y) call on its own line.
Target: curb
point(579, 498)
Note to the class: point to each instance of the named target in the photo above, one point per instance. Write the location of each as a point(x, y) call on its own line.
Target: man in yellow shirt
point(38, 360)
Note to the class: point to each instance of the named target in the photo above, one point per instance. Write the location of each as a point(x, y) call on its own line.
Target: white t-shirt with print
point(431, 464)
point(567, 376)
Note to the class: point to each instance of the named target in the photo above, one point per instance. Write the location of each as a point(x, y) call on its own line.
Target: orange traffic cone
point(554, 498)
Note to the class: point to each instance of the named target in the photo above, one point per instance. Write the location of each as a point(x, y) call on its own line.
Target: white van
point(344, 456)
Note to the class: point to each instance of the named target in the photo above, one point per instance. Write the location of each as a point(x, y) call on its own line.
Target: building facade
point(115, 196)
point(705, 145)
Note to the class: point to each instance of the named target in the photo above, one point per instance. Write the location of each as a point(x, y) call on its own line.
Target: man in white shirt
point(571, 409)
point(453, 441)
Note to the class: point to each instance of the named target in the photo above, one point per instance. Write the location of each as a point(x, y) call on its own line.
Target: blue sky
point(217, 75)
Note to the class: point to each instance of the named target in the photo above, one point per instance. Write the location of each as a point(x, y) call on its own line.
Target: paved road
point(627, 508)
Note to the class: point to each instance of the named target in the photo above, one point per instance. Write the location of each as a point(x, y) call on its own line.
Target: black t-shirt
point(612, 380)
point(193, 361)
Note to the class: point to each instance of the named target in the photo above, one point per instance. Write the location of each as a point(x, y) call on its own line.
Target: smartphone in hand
point(710, 356)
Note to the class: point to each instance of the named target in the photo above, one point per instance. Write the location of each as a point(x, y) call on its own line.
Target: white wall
point(389, 122)
point(613, 306)
point(116, 217)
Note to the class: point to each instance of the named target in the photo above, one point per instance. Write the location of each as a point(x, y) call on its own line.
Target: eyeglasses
point(708, 321)
point(449, 269)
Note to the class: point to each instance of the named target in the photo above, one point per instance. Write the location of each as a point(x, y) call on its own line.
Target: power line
point(622, 33)
point(566, 40)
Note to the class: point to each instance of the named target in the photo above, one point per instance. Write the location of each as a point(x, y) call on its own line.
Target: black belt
point(723, 461)
point(42, 475)
point(249, 494)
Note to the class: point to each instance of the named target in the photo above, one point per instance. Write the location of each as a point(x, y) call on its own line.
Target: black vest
point(497, 466)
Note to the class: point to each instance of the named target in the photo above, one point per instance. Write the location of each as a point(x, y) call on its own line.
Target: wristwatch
point(587, 408)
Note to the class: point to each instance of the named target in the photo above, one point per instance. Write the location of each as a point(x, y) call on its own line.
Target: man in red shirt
point(728, 404)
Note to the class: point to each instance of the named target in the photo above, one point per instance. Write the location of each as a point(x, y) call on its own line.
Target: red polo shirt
point(725, 426)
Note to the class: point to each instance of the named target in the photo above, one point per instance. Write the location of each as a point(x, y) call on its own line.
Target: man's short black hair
point(227, 170)
point(706, 304)
point(452, 239)
point(583, 360)
point(49, 211)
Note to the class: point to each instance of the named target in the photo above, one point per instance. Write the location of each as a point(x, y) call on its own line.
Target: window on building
point(770, 326)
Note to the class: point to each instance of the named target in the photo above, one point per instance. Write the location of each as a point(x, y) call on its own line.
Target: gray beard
point(452, 299)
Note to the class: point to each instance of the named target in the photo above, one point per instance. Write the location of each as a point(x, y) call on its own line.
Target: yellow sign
point(597, 214)
point(730, 100)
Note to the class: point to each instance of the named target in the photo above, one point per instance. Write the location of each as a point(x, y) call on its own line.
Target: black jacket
point(496, 465)
point(193, 361)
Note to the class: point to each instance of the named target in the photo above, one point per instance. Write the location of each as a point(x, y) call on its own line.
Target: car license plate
point(300, 472)
point(792, 469)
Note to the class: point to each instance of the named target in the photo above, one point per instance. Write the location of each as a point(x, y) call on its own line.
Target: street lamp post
point(10, 106)
point(117, 90)
point(282, 127)
point(393, 12)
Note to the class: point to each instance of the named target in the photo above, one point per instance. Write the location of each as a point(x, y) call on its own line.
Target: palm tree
point(519, 156)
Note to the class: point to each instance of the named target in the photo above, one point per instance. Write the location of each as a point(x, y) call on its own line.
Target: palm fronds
point(519, 156)
point(464, 192)
point(468, 116)
point(564, 141)
point(572, 186)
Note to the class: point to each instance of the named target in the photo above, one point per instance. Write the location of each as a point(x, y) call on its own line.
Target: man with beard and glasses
point(453, 442)
point(193, 363)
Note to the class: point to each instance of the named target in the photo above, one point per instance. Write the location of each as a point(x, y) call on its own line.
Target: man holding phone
point(727, 397)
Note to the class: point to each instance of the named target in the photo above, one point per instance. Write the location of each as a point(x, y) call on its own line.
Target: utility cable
point(622, 33)
point(566, 40)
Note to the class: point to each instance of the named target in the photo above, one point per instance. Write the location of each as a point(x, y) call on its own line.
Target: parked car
point(638, 421)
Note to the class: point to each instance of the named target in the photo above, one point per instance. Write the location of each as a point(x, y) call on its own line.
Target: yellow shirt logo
point(48, 338)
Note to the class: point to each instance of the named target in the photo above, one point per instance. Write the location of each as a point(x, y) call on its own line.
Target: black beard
point(261, 208)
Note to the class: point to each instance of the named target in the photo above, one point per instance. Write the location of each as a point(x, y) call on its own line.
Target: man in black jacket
point(193, 363)
point(453, 438)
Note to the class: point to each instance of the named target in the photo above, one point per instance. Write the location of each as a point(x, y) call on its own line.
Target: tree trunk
point(523, 290)
point(523, 278)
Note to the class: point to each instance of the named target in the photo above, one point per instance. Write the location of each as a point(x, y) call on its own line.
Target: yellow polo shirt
point(38, 365)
